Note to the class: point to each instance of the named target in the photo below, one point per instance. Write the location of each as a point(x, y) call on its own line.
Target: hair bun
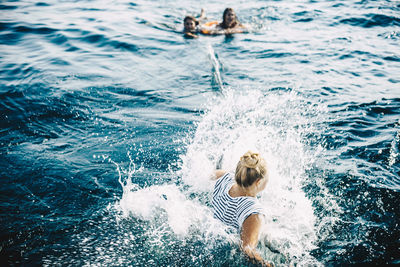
point(250, 159)
point(251, 167)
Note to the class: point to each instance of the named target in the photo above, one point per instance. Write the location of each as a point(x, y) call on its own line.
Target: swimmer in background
point(235, 204)
point(191, 25)
point(230, 24)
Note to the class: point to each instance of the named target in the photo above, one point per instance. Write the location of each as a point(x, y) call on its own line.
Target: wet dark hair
point(191, 18)
point(223, 23)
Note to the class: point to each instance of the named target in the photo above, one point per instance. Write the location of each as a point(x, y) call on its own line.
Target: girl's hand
point(190, 35)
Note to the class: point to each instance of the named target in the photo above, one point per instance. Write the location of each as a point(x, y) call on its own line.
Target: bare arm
point(234, 30)
point(249, 236)
point(202, 14)
point(218, 174)
point(219, 31)
point(190, 35)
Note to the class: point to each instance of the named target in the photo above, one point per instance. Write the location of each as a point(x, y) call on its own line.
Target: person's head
point(229, 19)
point(251, 170)
point(190, 23)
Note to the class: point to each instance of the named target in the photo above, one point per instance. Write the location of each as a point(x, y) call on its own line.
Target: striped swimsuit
point(232, 210)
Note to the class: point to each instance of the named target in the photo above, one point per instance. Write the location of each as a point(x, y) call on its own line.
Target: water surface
point(112, 122)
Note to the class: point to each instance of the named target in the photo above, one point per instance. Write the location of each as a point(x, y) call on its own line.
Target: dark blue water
point(111, 123)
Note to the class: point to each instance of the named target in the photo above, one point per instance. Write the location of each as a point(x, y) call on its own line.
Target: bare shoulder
point(253, 222)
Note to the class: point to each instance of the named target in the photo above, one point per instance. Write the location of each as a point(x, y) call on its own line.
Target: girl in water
point(230, 24)
point(191, 25)
point(235, 204)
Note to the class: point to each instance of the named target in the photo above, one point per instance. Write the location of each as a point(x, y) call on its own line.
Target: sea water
point(113, 123)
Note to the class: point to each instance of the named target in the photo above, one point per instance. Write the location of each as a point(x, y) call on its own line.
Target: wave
point(13, 33)
point(7, 7)
point(372, 20)
point(36, 117)
point(368, 132)
point(305, 16)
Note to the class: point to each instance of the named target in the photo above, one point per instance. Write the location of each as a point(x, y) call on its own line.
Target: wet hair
point(250, 168)
point(191, 18)
point(223, 23)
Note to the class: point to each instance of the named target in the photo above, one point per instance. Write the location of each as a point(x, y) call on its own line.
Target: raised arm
point(249, 236)
point(202, 14)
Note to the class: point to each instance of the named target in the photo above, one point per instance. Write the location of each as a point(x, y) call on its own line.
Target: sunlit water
point(112, 124)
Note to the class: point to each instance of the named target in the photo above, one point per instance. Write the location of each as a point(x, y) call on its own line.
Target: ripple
point(37, 118)
point(33, 29)
point(392, 58)
point(372, 20)
point(42, 4)
point(303, 16)
point(367, 134)
point(6, 25)
point(18, 72)
point(7, 7)
point(102, 40)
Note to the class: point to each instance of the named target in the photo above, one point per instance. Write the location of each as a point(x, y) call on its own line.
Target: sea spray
point(394, 147)
point(216, 66)
point(274, 123)
point(171, 213)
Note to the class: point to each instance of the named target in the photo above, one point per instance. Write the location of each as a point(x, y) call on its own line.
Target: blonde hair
point(250, 168)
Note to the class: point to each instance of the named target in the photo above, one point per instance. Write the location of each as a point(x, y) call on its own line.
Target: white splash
point(274, 124)
point(179, 212)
